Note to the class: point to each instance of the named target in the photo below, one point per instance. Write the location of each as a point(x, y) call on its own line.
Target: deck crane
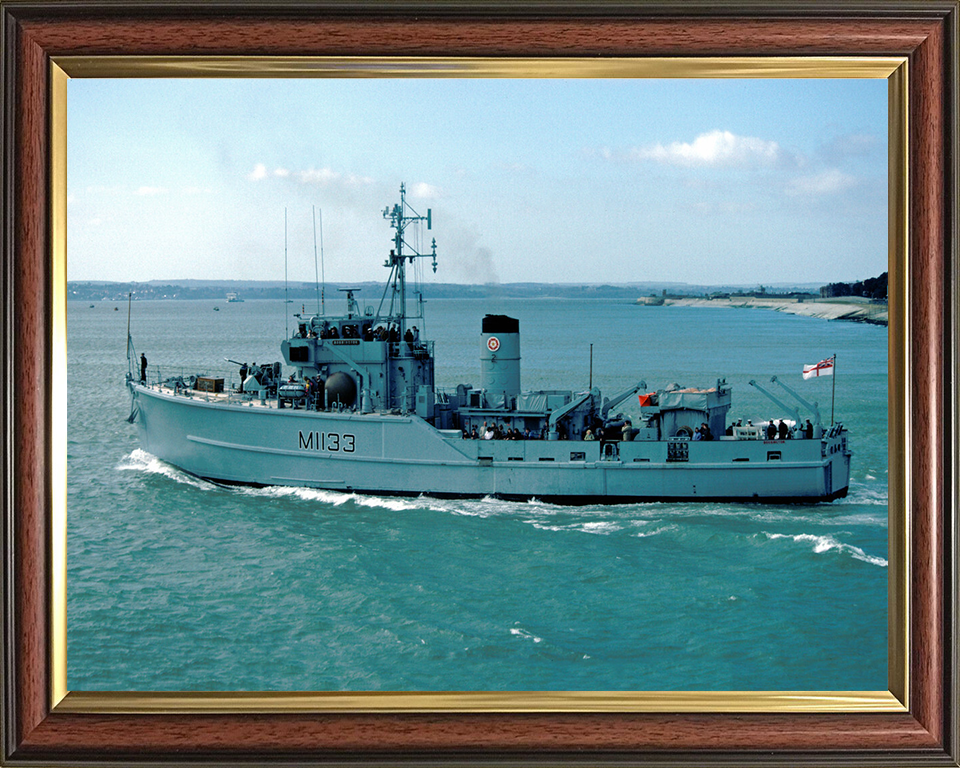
point(778, 401)
point(814, 408)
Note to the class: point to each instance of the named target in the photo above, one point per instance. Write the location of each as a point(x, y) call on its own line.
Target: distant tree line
point(872, 288)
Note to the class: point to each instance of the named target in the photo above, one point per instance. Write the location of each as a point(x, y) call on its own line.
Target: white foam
point(333, 498)
point(823, 544)
point(517, 632)
point(870, 495)
point(485, 507)
point(542, 527)
point(141, 461)
point(602, 527)
point(655, 531)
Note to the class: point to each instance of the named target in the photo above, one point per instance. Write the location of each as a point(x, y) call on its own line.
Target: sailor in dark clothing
point(143, 368)
point(771, 431)
point(808, 430)
point(783, 430)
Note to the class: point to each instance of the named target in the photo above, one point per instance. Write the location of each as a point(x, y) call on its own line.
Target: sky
point(707, 182)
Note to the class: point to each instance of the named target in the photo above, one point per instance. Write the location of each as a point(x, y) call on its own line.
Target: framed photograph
point(164, 703)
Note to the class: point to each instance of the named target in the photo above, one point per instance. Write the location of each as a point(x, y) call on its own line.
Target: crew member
point(143, 368)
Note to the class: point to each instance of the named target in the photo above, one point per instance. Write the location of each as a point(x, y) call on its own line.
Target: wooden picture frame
point(38, 730)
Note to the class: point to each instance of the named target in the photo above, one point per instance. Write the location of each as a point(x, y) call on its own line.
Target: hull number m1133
point(327, 441)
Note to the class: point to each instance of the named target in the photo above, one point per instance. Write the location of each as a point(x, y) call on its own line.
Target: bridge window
point(299, 354)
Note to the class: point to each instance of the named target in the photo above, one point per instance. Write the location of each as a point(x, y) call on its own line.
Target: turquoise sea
point(177, 584)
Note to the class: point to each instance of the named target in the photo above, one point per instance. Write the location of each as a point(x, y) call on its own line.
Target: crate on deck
point(209, 384)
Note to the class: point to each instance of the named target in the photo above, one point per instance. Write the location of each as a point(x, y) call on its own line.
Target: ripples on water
point(176, 583)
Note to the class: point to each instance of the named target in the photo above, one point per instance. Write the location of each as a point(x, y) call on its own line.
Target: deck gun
point(814, 408)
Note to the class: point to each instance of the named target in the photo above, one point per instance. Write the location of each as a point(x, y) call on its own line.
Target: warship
point(352, 406)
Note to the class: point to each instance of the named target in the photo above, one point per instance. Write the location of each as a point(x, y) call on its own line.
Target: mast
point(400, 219)
point(315, 268)
point(833, 395)
point(129, 337)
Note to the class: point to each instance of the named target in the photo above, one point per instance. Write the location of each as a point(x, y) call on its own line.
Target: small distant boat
point(233, 298)
point(216, 309)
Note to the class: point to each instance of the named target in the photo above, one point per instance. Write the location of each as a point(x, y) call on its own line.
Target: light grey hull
point(392, 454)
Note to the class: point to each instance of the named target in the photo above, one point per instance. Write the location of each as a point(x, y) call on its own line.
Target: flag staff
point(833, 395)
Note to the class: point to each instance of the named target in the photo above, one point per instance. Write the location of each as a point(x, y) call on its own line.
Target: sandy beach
point(846, 308)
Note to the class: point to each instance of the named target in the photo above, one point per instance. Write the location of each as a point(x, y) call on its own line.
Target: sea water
point(178, 584)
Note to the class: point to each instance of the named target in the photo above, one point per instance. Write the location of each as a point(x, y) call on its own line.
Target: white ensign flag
point(823, 368)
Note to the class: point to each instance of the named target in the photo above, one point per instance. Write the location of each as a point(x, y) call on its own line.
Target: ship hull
point(388, 454)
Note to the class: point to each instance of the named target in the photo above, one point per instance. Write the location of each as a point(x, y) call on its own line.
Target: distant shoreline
point(847, 308)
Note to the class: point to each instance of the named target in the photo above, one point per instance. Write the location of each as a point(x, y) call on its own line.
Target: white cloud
point(826, 182)
point(425, 191)
point(327, 176)
point(149, 191)
point(713, 148)
point(318, 176)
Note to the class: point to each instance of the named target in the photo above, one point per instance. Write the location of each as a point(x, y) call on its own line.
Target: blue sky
point(562, 180)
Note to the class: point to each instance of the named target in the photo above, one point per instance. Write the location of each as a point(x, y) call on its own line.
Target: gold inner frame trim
point(819, 67)
point(479, 701)
point(893, 69)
